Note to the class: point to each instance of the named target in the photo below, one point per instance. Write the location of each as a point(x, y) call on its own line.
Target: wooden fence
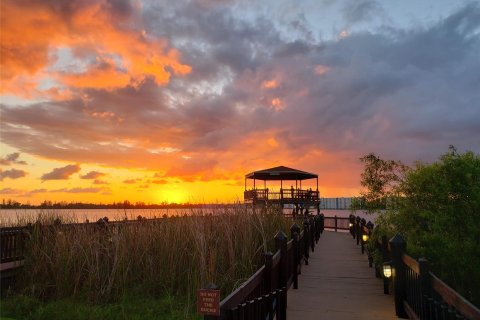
point(419, 294)
point(264, 294)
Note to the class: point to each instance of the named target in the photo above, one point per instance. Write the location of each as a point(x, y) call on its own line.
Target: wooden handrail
point(284, 264)
point(276, 259)
point(411, 263)
point(242, 292)
point(290, 244)
point(426, 294)
point(452, 298)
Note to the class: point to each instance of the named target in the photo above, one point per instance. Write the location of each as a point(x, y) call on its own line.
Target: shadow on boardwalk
point(338, 284)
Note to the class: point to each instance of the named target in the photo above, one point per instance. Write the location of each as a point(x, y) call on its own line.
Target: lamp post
point(387, 274)
point(365, 237)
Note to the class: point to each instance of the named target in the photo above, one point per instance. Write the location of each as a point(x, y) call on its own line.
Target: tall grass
point(171, 256)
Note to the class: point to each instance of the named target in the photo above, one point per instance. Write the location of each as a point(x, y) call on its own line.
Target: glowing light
point(173, 196)
point(387, 270)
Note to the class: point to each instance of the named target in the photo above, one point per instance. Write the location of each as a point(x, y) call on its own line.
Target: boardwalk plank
point(338, 284)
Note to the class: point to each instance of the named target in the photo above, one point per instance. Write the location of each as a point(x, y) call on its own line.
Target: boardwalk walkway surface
point(338, 284)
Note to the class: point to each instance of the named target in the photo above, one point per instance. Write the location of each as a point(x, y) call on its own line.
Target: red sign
point(208, 302)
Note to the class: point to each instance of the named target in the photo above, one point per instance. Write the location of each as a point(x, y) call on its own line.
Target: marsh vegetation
point(100, 266)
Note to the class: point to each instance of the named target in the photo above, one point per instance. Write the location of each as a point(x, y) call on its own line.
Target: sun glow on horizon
point(173, 196)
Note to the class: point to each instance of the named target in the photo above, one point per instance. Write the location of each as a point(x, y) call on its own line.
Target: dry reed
point(169, 256)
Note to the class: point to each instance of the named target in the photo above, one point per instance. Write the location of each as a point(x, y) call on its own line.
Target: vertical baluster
point(257, 307)
point(418, 296)
point(430, 308)
point(436, 306)
point(425, 287)
point(233, 314)
point(411, 298)
point(425, 311)
point(407, 285)
point(459, 317)
point(270, 310)
point(251, 309)
point(398, 246)
point(444, 310)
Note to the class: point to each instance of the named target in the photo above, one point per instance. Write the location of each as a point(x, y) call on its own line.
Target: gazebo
point(300, 198)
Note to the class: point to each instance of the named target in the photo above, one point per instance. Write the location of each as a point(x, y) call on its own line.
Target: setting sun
point(172, 196)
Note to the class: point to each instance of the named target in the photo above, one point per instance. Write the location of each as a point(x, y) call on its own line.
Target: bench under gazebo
point(286, 195)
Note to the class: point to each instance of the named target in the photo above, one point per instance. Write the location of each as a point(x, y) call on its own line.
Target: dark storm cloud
point(36, 191)
point(358, 11)
point(78, 190)
point(92, 175)
point(8, 191)
point(62, 173)
point(404, 94)
point(11, 159)
point(12, 174)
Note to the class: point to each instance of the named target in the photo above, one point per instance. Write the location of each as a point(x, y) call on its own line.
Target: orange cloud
point(122, 53)
point(277, 104)
point(343, 34)
point(321, 69)
point(270, 84)
point(106, 77)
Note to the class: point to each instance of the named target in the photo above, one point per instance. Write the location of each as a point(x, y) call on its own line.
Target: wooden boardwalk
point(338, 284)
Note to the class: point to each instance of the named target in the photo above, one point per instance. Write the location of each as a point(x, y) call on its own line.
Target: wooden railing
point(12, 242)
point(285, 195)
point(419, 294)
point(263, 295)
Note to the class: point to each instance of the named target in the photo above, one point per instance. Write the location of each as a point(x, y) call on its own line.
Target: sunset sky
point(176, 101)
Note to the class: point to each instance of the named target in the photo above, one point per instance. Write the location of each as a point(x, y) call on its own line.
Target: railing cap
point(280, 236)
point(295, 228)
point(397, 241)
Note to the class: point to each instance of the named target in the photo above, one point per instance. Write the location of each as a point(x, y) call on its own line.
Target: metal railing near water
point(419, 294)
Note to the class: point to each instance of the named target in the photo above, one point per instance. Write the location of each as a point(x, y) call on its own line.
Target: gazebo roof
point(281, 173)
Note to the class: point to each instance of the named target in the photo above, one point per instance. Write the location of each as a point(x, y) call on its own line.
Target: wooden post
point(312, 228)
point(322, 223)
point(362, 232)
point(317, 228)
point(295, 232)
point(335, 223)
point(281, 244)
point(357, 230)
point(425, 287)
point(306, 240)
point(268, 272)
point(398, 247)
point(283, 304)
point(385, 258)
point(351, 220)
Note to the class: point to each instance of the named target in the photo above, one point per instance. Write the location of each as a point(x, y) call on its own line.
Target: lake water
point(23, 216)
